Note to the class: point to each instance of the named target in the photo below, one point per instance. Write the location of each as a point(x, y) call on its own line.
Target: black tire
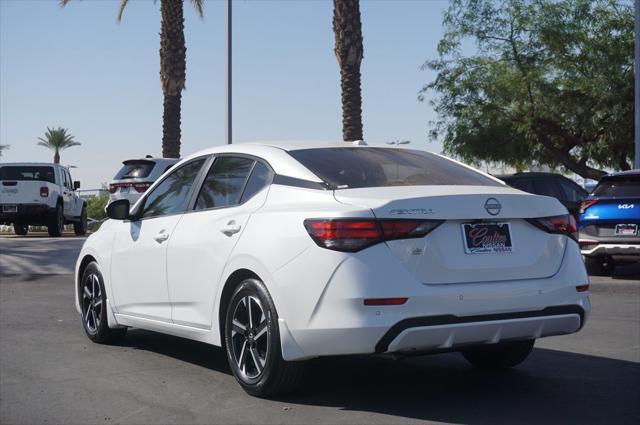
point(499, 356)
point(80, 227)
point(599, 266)
point(20, 229)
point(262, 372)
point(93, 303)
point(56, 222)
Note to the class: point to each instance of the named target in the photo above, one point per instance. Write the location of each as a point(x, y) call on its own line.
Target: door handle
point(161, 236)
point(231, 228)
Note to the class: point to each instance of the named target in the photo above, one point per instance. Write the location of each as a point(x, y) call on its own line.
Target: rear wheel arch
point(230, 285)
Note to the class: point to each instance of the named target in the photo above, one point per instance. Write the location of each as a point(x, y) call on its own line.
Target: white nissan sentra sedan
point(282, 254)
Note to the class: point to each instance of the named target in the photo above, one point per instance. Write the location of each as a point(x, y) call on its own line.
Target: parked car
point(283, 254)
point(135, 177)
point(565, 190)
point(610, 222)
point(40, 194)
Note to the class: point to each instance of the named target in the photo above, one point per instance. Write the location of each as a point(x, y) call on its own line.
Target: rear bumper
point(435, 317)
point(445, 332)
point(610, 249)
point(27, 213)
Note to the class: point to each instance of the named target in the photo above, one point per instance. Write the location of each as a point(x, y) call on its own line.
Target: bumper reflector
point(385, 301)
point(582, 288)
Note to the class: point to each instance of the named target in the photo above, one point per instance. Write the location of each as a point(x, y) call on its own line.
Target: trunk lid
point(440, 257)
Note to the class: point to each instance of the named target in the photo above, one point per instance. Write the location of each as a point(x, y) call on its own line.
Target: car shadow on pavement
point(629, 271)
point(550, 387)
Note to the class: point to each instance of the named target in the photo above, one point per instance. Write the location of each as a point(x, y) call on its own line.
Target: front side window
point(171, 196)
point(345, 168)
point(224, 183)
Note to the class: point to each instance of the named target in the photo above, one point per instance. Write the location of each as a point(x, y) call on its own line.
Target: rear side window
point(135, 169)
point(171, 195)
point(618, 186)
point(260, 177)
point(522, 184)
point(27, 172)
point(224, 183)
point(345, 168)
point(572, 192)
point(548, 187)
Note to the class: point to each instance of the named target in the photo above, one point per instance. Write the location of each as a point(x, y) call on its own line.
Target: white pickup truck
point(40, 194)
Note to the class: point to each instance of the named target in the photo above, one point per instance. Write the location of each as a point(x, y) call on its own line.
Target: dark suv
point(568, 192)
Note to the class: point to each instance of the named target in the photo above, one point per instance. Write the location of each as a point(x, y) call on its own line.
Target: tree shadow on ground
point(550, 387)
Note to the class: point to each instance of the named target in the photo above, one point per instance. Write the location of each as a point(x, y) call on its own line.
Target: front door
point(139, 255)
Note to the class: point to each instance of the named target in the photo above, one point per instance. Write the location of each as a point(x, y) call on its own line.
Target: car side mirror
point(119, 210)
point(76, 185)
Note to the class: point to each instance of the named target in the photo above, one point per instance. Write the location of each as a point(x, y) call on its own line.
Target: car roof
point(276, 154)
point(635, 172)
point(39, 164)
point(525, 174)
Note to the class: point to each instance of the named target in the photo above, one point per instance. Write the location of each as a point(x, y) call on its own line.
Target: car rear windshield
point(27, 172)
point(344, 168)
point(135, 169)
point(618, 186)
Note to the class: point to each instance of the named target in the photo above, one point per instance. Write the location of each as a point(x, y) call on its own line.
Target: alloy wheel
point(250, 337)
point(92, 303)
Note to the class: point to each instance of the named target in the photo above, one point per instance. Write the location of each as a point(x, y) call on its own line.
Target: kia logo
point(625, 206)
point(492, 206)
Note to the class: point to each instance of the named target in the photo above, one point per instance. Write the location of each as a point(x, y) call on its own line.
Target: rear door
point(139, 254)
point(234, 187)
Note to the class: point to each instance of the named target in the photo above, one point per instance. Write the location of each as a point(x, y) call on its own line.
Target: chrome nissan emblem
point(492, 206)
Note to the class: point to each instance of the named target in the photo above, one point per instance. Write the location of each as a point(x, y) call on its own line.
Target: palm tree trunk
point(347, 28)
point(171, 126)
point(172, 73)
point(56, 157)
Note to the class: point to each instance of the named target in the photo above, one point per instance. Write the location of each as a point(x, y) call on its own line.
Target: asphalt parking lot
point(51, 373)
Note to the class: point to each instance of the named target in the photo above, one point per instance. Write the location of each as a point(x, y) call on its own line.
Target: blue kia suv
point(609, 222)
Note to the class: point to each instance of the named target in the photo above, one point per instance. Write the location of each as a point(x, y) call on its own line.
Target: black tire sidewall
point(274, 355)
point(80, 227)
point(55, 228)
point(103, 328)
point(20, 229)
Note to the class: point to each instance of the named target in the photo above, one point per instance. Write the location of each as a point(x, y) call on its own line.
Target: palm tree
point(57, 139)
point(349, 52)
point(172, 67)
point(3, 148)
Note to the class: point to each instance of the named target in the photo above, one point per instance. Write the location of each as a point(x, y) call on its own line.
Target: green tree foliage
point(96, 206)
point(551, 82)
point(57, 139)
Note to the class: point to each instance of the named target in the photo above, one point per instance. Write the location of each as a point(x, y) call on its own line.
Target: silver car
point(135, 177)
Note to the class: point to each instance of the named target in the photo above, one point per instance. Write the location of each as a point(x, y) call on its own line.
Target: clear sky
point(78, 68)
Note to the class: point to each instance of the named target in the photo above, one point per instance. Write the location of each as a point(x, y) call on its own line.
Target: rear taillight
point(350, 235)
point(141, 187)
point(587, 204)
point(559, 224)
point(113, 187)
point(44, 192)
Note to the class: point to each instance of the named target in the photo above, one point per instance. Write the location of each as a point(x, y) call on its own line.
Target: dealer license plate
point(626, 229)
point(10, 208)
point(487, 238)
